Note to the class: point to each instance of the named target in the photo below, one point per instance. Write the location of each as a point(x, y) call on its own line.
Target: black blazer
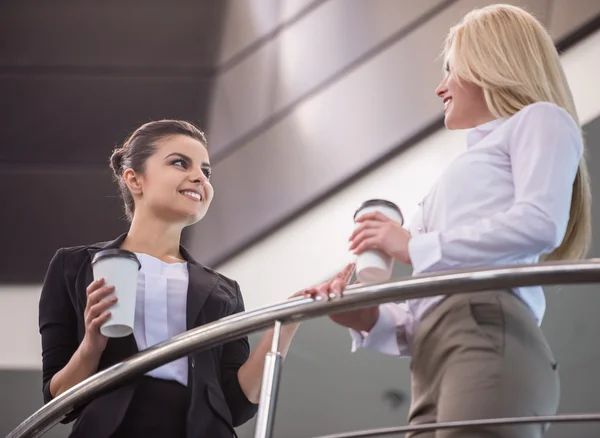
point(217, 403)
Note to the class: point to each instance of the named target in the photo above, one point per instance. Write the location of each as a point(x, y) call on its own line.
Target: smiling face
point(464, 102)
point(174, 185)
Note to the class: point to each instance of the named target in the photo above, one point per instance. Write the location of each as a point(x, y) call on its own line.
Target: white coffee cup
point(374, 266)
point(119, 268)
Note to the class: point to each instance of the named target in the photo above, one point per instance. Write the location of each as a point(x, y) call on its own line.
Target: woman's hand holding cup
point(378, 239)
point(95, 314)
point(376, 231)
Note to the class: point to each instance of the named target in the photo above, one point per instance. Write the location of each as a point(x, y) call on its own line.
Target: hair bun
point(116, 162)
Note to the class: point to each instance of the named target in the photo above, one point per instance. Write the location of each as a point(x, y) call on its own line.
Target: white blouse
point(504, 201)
point(160, 310)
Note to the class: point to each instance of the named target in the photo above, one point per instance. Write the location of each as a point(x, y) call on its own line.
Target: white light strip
point(313, 246)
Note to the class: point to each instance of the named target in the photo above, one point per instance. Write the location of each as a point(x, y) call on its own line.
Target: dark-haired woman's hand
point(95, 314)
point(333, 288)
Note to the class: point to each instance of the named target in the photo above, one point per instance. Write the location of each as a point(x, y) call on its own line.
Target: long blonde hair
point(510, 55)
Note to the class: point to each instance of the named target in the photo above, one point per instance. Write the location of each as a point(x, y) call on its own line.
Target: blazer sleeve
point(235, 354)
point(57, 324)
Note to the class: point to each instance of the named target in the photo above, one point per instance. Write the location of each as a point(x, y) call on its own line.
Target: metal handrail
point(295, 310)
point(385, 431)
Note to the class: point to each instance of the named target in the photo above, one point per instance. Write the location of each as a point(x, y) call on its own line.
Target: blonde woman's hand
point(377, 231)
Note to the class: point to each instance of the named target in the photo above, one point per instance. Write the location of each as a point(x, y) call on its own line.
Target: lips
point(447, 101)
point(193, 195)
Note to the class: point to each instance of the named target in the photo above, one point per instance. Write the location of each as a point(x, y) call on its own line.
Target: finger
point(374, 216)
point(99, 294)
point(324, 289)
point(97, 322)
point(310, 292)
point(348, 273)
point(94, 285)
point(101, 307)
point(362, 236)
point(367, 244)
point(337, 289)
point(365, 225)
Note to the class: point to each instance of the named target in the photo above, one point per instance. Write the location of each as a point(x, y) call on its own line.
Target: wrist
point(368, 319)
point(87, 353)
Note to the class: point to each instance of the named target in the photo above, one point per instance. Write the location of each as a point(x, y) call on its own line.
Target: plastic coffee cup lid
point(115, 252)
point(375, 202)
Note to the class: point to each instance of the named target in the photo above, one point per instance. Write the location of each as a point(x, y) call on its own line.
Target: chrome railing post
point(269, 388)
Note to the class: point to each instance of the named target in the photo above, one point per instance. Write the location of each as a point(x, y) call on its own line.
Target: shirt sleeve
point(388, 335)
point(545, 149)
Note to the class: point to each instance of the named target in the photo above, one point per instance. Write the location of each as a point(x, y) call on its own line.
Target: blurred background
point(311, 107)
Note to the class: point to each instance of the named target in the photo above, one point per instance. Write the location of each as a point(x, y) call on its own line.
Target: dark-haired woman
point(163, 171)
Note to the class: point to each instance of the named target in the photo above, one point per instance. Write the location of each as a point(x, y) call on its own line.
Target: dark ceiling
point(76, 76)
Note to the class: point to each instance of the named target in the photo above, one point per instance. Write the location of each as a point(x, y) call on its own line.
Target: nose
point(198, 176)
point(442, 88)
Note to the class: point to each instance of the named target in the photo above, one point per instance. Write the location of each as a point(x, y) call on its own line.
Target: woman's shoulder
point(226, 281)
point(546, 114)
point(69, 256)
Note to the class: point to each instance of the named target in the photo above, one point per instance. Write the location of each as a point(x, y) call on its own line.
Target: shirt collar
point(479, 132)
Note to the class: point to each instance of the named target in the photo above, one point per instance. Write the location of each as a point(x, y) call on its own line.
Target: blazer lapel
point(200, 285)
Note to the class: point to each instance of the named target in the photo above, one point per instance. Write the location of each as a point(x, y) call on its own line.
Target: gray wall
point(327, 389)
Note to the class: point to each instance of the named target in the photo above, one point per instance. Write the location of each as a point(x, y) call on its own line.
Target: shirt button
point(420, 203)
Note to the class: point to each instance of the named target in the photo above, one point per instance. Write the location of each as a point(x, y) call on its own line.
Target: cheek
point(210, 192)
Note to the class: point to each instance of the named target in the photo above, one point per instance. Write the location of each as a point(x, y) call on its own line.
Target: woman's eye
point(207, 172)
point(179, 163)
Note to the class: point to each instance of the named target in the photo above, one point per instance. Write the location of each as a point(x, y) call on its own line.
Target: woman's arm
point(242, 370)
point(251, 373)
point(65, 362)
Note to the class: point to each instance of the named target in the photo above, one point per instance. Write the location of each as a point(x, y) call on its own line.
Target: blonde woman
point(519, 193)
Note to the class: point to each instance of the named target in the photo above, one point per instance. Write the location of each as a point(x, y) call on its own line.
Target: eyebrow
point(186, 158)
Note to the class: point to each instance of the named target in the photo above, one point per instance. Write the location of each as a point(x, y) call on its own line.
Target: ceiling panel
point(84, 33)
point(76, 77)
point(248, 22)
point(78, 120)
point(53, 209)
point(302, 60)
point(568, 15)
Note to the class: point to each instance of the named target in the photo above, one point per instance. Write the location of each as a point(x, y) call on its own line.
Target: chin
point(454, 123)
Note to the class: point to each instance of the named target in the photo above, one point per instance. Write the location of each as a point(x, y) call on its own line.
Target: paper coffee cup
point(375, 266)
point(119, 268)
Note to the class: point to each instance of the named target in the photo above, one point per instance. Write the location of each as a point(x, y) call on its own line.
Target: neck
point(153, 236)
point(488, 117)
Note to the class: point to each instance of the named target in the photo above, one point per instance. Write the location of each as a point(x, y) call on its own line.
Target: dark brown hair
point(140, 146)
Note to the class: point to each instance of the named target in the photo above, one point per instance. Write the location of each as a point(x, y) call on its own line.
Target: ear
point(133, 181)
